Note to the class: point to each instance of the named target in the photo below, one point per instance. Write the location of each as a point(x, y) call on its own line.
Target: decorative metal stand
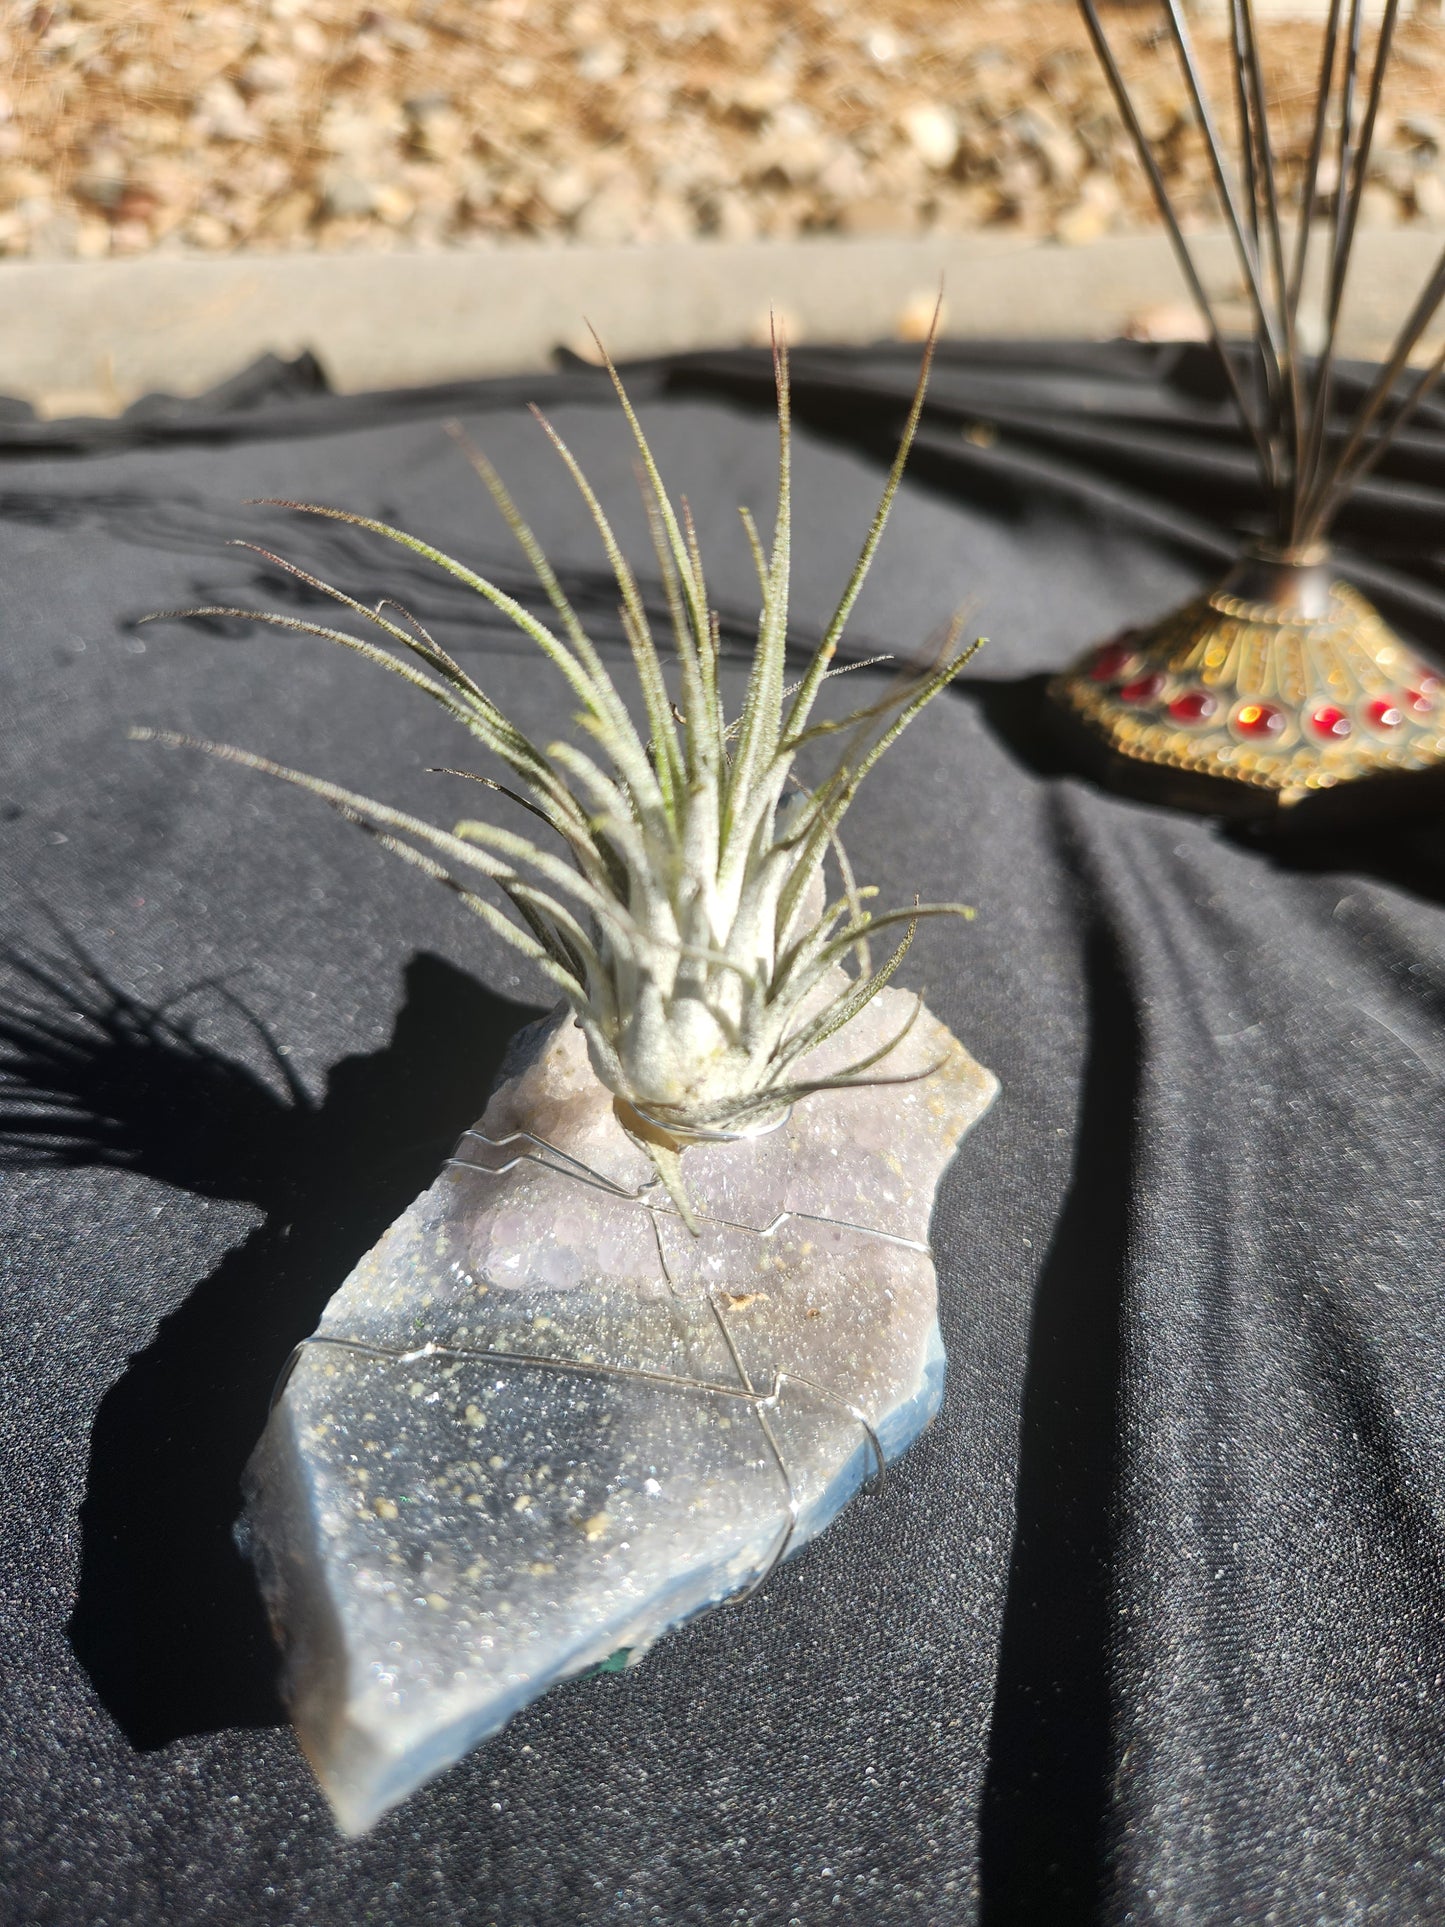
point(1283, 682)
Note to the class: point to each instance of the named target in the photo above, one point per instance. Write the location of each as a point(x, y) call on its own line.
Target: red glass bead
point(1143, 689)
point(1331, 723)
point(1193, 706)
point(1259, 720)
point(1111, 661)
point(1385, 713)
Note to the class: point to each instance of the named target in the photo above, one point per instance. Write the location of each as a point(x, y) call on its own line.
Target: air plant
point(676, 900)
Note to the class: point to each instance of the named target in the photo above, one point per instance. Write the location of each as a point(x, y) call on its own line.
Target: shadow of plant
point(167, 1620)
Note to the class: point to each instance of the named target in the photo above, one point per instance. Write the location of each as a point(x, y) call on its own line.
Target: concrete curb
point(89, 337)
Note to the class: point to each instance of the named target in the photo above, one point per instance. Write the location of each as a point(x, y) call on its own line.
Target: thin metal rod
point(1346, 228)
point(1290, 380)
point(1319, 406)
point(1344, 158)
point(1317, 144)
point(1181, 248)
point(791, 1509)
point(743, 1394)
point(1328, 483)
point(1345, 482)
point(1430, 298)
point(1248, 258)
point(1334, 282)
point(1249, 170)
point(1308, 470)
point(1246, 125)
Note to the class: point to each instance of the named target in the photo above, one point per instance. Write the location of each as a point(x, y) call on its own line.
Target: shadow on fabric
point(1015, 711)
point(1408, 852)
point(1409, 855)
point(167, 1620)
point(1043, 1826)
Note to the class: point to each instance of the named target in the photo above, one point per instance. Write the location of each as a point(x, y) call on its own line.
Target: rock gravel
point(129, 125)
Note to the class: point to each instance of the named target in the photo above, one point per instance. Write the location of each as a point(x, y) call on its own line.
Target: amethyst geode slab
point(542, 1421)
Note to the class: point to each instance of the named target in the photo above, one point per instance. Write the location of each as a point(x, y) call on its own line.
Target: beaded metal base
point(1282, 679)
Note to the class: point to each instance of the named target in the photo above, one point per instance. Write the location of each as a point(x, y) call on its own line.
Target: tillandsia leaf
point(699, 697)
point(384, 823)
point(762, 705)
point(902, 703)
point(803, 969)
point(782, 1097)
point(488, 782)
point(299, 626)
point(418, 629)
point(682, 912)
point(667, 1160)
point(587, 675)
point(666, 567)
point(636, 627)
point(476, 713)
point(831, 1019)
point(832, 799)
point(832, 635)
point(416, 639)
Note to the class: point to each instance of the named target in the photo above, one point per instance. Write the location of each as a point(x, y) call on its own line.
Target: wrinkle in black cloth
point(1149, 1625)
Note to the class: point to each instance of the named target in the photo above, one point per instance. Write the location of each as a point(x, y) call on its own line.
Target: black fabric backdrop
point(1151, 1625)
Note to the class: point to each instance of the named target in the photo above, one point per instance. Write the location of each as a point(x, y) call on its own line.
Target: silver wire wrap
point(586, 1175)
point(761, 1401)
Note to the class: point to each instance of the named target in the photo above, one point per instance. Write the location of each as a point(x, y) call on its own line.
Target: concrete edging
point(89, 337)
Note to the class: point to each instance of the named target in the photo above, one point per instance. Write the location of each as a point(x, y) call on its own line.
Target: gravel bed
point(128, 126)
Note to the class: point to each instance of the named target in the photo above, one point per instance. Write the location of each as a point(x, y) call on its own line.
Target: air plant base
point(543, 1420)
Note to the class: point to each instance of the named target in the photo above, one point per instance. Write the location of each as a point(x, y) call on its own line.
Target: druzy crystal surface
point(542, 1421)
